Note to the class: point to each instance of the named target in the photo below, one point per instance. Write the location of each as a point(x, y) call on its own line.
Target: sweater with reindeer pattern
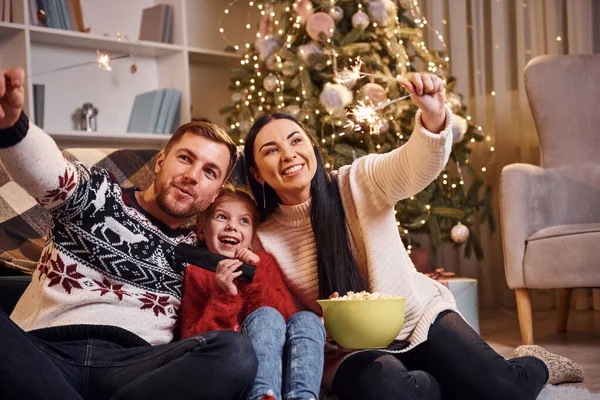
point(106, 261)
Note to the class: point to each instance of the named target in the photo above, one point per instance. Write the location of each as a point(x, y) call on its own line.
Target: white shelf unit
point(195, 63)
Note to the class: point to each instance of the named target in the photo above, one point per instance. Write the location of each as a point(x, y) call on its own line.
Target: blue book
point(175, 113)
point(65, 21)
point(168, 121)
point(146, 111)
point(163, 116)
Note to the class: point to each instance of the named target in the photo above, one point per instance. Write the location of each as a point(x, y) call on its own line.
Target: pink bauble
point(376, 93)
point(304, 9)
point(320, 22)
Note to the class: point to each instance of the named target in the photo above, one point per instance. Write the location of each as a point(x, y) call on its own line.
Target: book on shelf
point(58, 14)
point(6, 10)
point(157, 24)
point(156, 111)
point(38, 104)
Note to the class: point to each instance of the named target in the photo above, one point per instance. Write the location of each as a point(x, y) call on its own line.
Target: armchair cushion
point(533, 199)
point(553, 251)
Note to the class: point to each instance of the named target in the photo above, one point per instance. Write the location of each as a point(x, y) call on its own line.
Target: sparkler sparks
point(363, 113)
point(103, 61)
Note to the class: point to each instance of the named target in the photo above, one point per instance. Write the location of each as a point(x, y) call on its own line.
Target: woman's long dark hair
point(337, 268)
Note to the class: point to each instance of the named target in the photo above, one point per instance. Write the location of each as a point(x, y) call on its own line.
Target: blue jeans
point(290, 356)
point(213, 365)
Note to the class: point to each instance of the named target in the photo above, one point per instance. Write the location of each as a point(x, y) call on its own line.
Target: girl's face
point(229, 226)
point(285, 159)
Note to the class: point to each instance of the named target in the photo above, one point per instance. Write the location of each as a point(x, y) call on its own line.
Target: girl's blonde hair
point(235, 191)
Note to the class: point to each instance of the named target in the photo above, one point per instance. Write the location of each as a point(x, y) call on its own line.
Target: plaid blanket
point(24, 224)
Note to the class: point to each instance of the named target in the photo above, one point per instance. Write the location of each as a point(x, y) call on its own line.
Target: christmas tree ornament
point(293, 110)
point(245, 126)
point(320, 25)
point(373, 93)
point(382, 12)
point(453, 101)
point(459, 128)
point(270, 83)
point(335, 97)
point(265, 26)
point(271, 63)
point(289, 68)
point(337, 13)
point(266, 47)
point(360, 20)
point(309, 49)
point(384, 126)
point(304, 9)
point(347, 78)
point(237, 97)
point(459, 233)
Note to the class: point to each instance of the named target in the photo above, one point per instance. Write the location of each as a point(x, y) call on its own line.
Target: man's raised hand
point(12, 96)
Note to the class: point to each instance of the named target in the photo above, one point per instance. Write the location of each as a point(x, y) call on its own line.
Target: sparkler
point(366, 113)
point(102, 60)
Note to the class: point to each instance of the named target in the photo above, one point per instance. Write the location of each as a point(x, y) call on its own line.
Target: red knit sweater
point(206, 307)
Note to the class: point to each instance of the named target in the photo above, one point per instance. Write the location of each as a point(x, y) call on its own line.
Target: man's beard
point(173, 208)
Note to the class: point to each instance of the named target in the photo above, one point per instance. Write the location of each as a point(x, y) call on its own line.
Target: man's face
point(190, 175)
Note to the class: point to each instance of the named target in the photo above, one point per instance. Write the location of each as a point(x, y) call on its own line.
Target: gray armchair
point(550, 215)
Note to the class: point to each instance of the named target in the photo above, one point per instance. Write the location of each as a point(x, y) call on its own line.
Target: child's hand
point(225, 274)
point(427, 92)
point(247, 256)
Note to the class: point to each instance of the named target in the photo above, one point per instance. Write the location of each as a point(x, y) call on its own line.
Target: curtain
point(489, 42)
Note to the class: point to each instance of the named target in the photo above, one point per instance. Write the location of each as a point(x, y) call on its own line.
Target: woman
point(335, 233)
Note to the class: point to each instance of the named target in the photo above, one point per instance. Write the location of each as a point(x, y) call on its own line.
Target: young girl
point(290, 354)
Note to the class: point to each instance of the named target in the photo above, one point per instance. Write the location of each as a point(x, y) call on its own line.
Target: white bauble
point(237, 97)
point(337, 13)
point(459, 128)
point(289, 68)
point(360, 20)
point(334, 97)
point(384, 126)
point(292, 110)
point(308, 49)
point(304, 9)
point(453, 101)
point(245, 126)
point(382, 12)
point(266, 47)
point(320, 23)
point(373, 93)
point(270, 83)
point(271, 63)
point(459, 233)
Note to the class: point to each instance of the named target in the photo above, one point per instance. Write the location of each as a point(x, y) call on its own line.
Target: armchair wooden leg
point(524, 310)
point(564, 305)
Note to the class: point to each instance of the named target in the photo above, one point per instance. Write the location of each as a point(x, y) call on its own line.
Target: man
point(97, 320)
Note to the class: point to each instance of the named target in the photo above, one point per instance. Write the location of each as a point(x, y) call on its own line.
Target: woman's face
point(285, 159)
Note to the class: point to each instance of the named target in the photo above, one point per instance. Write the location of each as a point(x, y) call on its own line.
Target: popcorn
point(364, 295)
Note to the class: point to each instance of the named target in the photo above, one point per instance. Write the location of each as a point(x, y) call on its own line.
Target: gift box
point(465, 294)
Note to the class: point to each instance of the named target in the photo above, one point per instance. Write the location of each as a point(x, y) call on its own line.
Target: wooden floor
point(581, 343)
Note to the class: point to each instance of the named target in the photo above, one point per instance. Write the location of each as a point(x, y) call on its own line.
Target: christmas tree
point(336, 66)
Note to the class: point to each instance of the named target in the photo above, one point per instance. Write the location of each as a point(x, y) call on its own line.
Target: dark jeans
point(214, 365)
point(454, 363)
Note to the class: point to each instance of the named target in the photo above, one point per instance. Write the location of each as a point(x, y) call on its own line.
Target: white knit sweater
point(370, 188)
